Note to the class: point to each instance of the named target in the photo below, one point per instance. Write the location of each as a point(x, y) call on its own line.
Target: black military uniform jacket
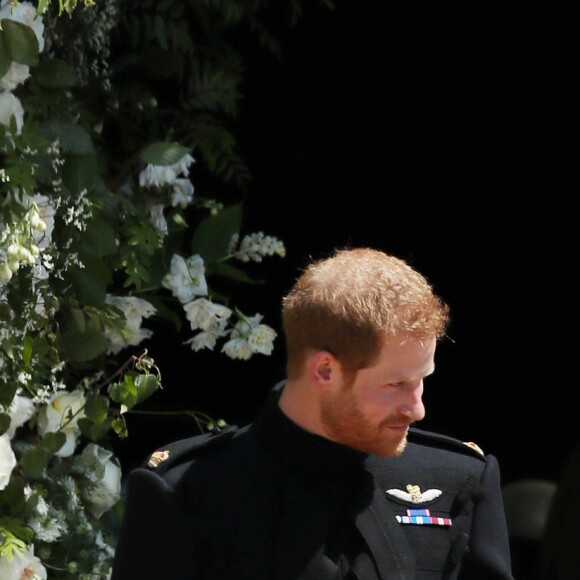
point(272, 502)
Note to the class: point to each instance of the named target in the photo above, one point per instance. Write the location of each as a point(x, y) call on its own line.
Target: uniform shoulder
point(440, 440)
point(182, 450)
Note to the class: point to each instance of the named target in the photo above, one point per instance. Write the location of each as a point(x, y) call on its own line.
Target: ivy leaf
point(146, 385)
point(94, 431)
point(163, 153)
point(97, 408)
point(54, 441)
point(34, 461)
point(213, 235)
point(20, 41)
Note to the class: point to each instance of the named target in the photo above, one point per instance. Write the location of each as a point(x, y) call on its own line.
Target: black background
point(445, 133)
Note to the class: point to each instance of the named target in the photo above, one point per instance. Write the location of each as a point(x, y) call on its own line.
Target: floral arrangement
point(106, 110)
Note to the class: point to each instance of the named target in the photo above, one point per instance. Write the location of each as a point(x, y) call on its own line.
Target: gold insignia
point(157, 457)
point(474, 446)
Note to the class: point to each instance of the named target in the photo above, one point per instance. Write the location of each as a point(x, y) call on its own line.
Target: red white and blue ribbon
point(423, 517)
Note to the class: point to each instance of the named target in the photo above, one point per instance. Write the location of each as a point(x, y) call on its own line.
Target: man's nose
point(413, 407)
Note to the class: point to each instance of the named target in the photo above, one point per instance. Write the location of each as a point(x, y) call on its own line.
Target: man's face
point(372, 411)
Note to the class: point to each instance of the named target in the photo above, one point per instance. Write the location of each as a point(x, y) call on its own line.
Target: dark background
point(445, 133)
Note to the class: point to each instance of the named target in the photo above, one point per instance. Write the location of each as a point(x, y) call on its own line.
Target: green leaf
point(34, 461)
point(213, 235)
point(120, 426)
point(55, 74)
point(125, 392)
point(5, 59)
point(82, 346)
point(90, 283)
point(97, 408)
point(27, 346)
point(100, 238)
point(146, 385)
point(73, 138)
point(163, 153)
point(93, 431)
point(21, 42)
point(79, 172)
point(54, 441)
point(4, 422)
point(7, 392)
point(226, 270)
point(78, 317)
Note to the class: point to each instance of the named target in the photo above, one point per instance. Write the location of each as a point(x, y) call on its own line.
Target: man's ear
point(323, 368)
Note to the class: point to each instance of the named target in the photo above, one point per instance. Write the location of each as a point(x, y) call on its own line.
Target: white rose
point(7, 463)
point(55, 415)
point(11, 105)
point(103, 494)
point(24, 567)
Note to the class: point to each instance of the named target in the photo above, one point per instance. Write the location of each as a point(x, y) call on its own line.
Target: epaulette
point(184, 449)
point(446, 441)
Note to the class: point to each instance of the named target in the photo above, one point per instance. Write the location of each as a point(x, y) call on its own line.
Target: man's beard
point(344, 423)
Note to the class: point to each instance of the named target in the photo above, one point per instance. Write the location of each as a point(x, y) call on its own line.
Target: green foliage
point(125, 106)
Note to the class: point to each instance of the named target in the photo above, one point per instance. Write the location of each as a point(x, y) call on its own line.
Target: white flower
point(158, 219)
point(156, 176)
point(186, 278)
point(9, 106)
point(202, 340)
point(101, 495)
point(7, 463)
point(205, 315)
point(182, 194)
point(237, 348)
point(62, 413)
point(160, 175)
point(134, 310)
point(261, 339)
point(182, 166)
point(20, 410)
point(25, 567)
point(249, 337)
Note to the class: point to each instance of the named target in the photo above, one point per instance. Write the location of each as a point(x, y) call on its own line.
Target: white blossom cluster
point(172, 179)
point(254, 247)
point(247, 336)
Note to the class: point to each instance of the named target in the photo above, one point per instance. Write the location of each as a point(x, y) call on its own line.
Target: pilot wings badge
point(414, 494)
